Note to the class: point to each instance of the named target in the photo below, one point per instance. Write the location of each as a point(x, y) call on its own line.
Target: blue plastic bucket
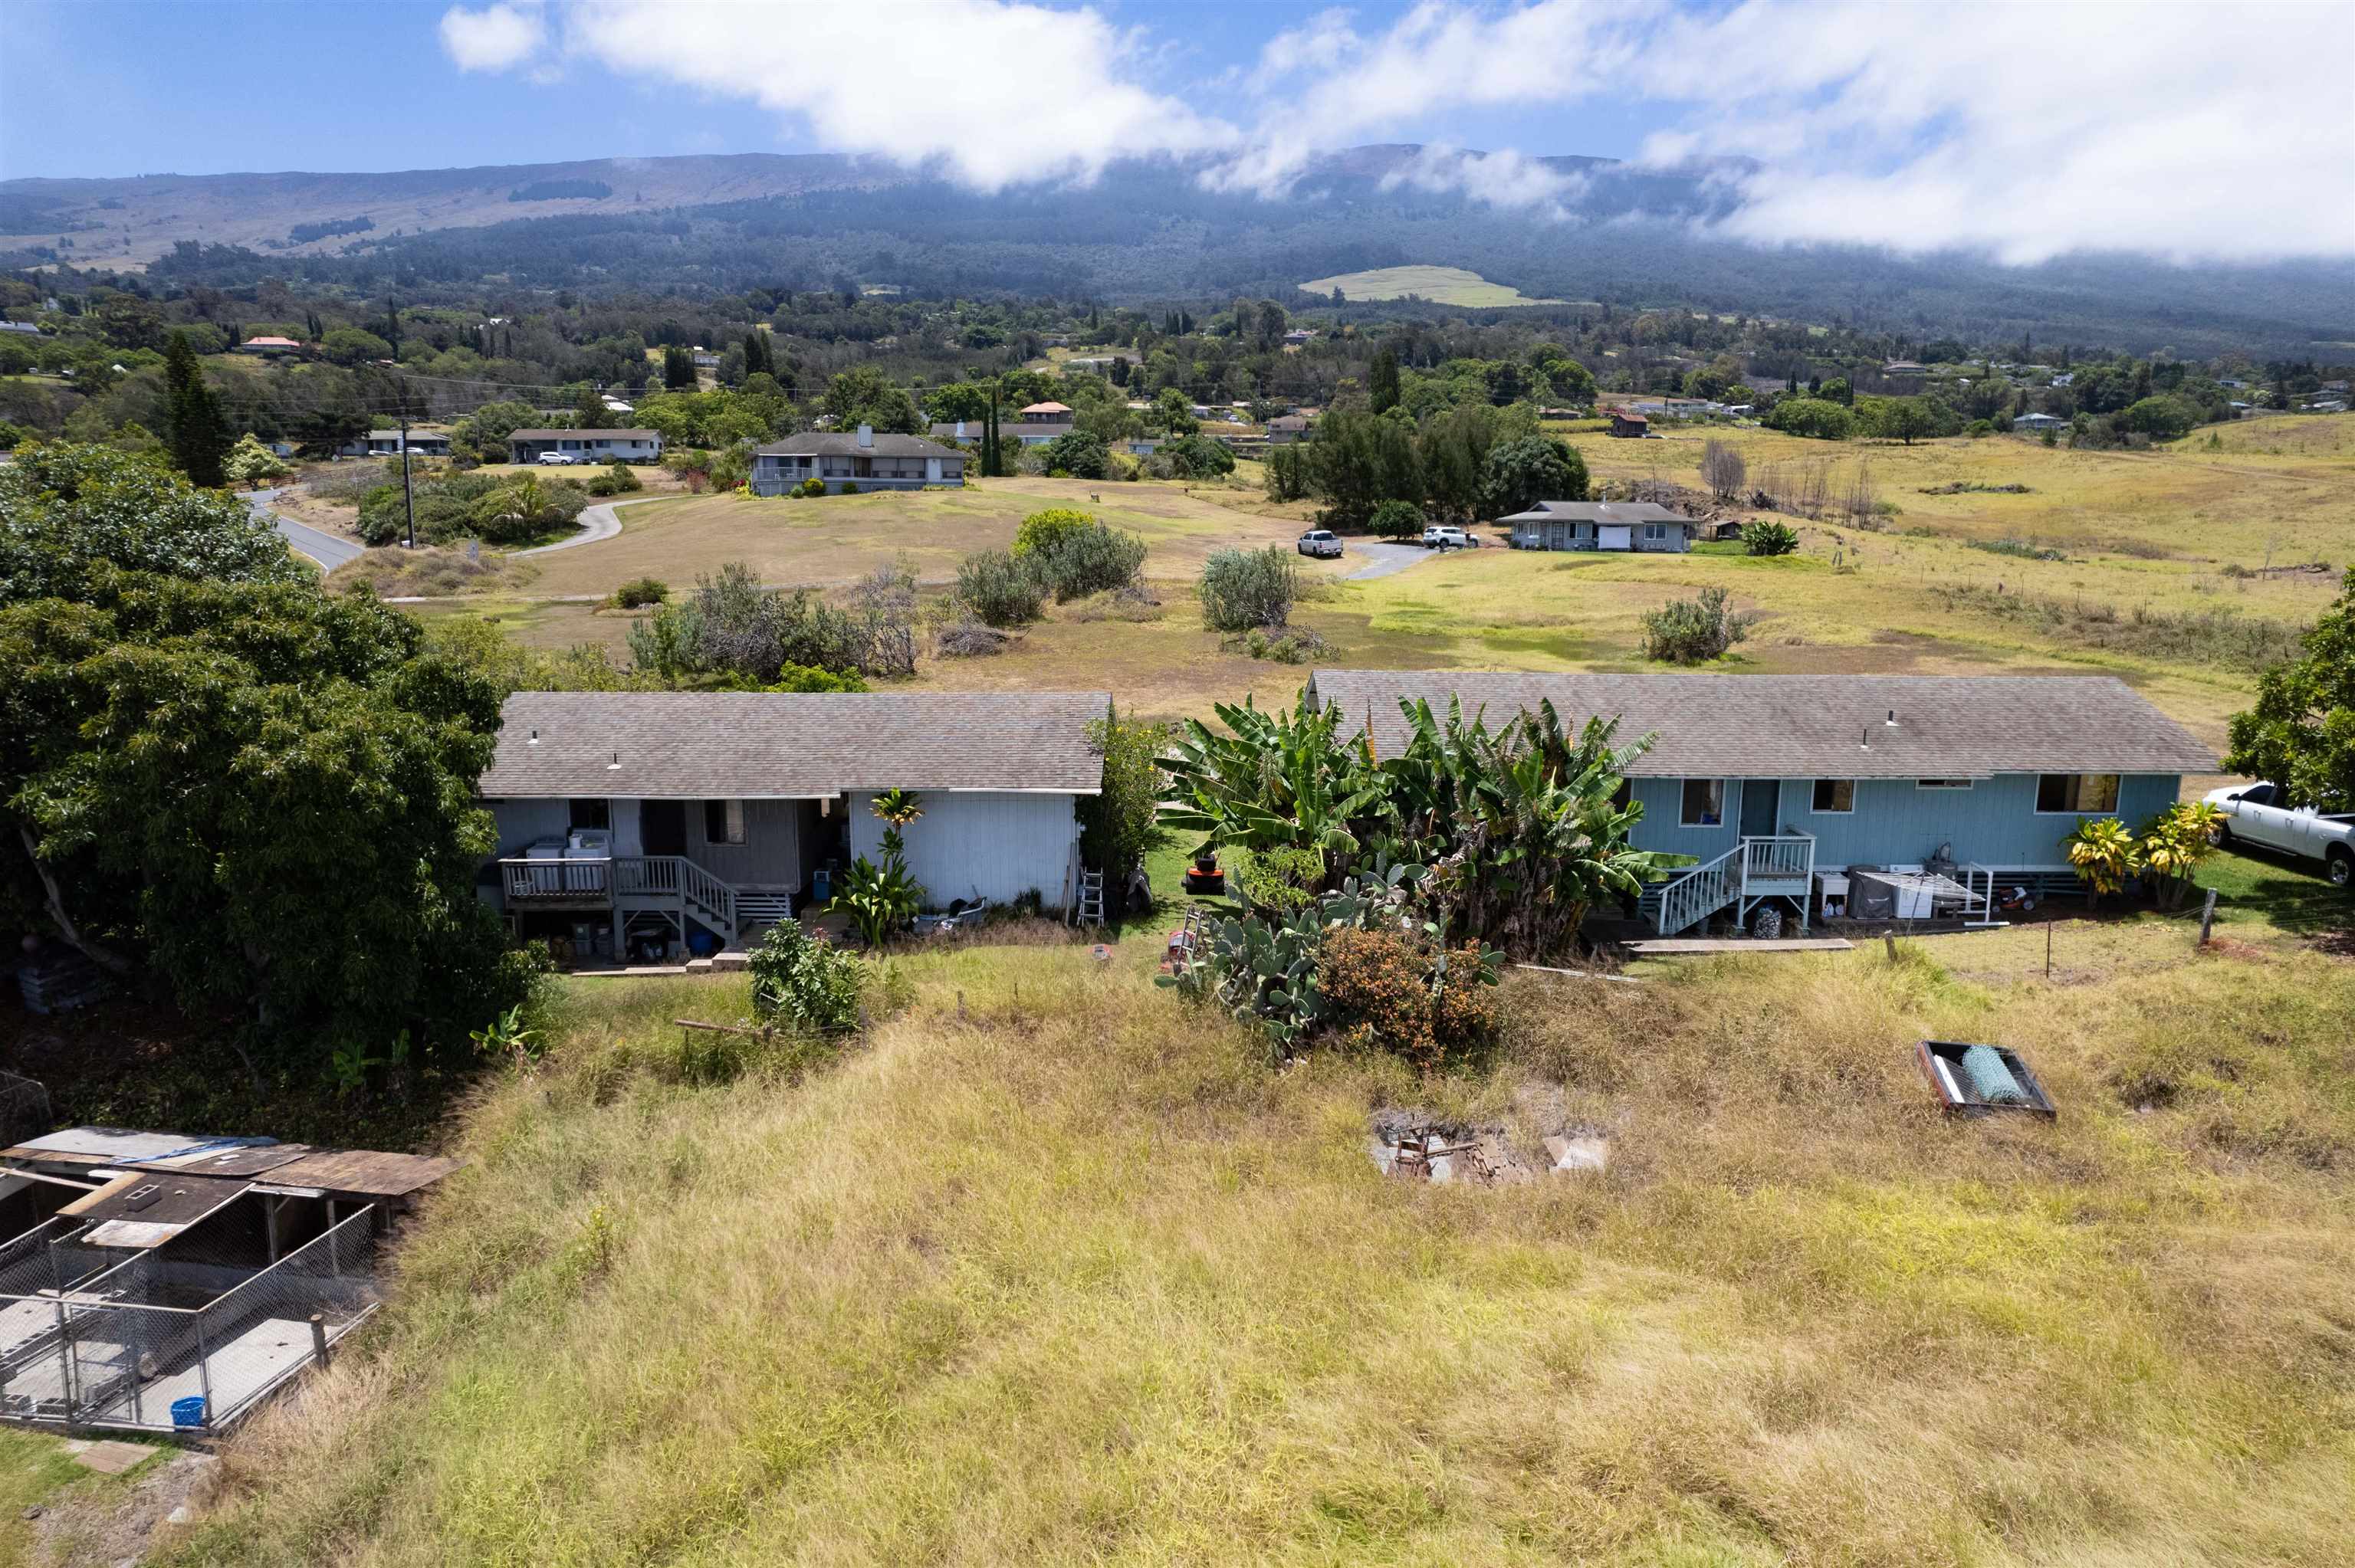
point(188, 1411)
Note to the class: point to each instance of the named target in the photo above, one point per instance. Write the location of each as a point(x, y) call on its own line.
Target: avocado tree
point(2300, 733)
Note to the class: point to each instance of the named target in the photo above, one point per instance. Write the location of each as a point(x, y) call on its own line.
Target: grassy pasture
point(1055, 1270)
point(1439, 285)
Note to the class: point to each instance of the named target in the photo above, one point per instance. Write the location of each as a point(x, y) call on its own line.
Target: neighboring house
point(2066, 379)
point(1285, 429)
point(615, 406)
point(589, 446)
point(1034, 432)
point(1623, 423)
point(1771, 780)
point(1142, 446)
point(2032, 424)
point(26, 329)
point(387, 443)
point(1299, 335)
point(270, 346)
point(1047, 411)
point(855, 460)
point(1903, 370)
point(1641, 525)
point(959, 431)
point(1092, 363)
point(659, 814)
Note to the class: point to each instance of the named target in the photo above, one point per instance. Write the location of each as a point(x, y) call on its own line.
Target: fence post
point(2206, 915)
point(319, 1338)
point(204, 1370)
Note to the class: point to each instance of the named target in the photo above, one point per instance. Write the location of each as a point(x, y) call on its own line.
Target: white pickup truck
point(2253, 815)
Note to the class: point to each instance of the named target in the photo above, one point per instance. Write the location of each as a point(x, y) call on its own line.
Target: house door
point(1762, 806)
point(1615, 536)
point(662, 824)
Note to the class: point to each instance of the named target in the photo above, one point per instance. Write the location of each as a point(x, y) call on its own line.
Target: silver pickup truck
point(2253, 815)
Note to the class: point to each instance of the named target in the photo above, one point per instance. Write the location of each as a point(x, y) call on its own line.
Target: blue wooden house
point(1774, 783)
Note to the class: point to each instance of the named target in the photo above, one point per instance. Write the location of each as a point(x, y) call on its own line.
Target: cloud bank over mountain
point(2020, 131)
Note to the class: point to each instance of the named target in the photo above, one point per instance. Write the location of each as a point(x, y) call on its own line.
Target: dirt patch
point(2337, 944)
point(1414, 1144)
point(105, 1530)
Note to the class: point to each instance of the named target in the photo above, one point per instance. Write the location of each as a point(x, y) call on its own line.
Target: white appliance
point(1831, 894)
point(589, 844)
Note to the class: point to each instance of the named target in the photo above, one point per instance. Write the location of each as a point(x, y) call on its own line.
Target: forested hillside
point(1146, 232)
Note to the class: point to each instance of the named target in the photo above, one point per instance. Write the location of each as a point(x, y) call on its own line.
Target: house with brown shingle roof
point(1772, 781)
point(689, 818)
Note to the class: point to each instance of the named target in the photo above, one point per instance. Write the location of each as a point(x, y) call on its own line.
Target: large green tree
point(1383, 380)
point(1520, 473)
point(194, 427)
point(224, 782)
point(67, 511)
point(2301, 731)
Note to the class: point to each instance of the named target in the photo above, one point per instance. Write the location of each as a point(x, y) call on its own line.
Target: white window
point(2075, 794)
point(1835, 796)
point(1656, 531)
point(1704, 803)
point(1942, 783)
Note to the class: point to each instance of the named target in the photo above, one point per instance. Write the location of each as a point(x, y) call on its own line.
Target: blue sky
point(1910, 124)
point(244, 86)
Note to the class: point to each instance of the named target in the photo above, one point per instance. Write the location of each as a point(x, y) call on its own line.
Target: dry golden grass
point(1054, 1269)
point(840, 539)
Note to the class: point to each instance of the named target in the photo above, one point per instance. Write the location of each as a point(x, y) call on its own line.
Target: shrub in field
point(1397, 520)
point(1241, 589)
point(970, 638)
point(1769, 538)
point(617, 480)
point(810, 489)
point(1042, 530)
point(1279, 878)
point(1694, 631)
point(1197, 457)
point(806, 981)
point(1090, 560)
point(641, 592)
point(1000, 590)
point(1387, 990)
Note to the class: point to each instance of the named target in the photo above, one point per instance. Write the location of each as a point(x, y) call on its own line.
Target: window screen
point(1834, 795)
point(1704, 802)
point(723, 822)
point(1942, 783)
point(586, 813)
point(2062, 793)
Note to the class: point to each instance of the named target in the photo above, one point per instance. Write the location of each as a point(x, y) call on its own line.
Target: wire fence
point(116, 1347)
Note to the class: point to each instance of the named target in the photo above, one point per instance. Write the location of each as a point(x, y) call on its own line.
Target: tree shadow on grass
point(2291, 895)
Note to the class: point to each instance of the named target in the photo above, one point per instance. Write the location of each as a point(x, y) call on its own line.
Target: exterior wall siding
point(995, 844)
point(770, 856)
point(1995, 822)
point(524, 823)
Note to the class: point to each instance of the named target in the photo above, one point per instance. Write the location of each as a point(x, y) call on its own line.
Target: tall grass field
point(1051, 1268)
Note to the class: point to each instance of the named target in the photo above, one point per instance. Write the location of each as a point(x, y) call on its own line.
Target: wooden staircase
point(1754, 870)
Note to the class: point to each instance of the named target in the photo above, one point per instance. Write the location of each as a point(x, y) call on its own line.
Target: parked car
point(1436, 538)
point(560, 460)
point(2255, 814)
point(1319, 542)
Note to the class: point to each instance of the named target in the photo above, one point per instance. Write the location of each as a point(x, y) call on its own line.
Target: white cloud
point(2023, 131)
point(495, 37)
point(992, 92)
point(2180, 131)
point(1500, 179)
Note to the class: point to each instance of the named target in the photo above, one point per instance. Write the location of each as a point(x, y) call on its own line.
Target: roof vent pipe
point(535, 738)
point(1865, 740)
point(1891, 720)
point(610, 766)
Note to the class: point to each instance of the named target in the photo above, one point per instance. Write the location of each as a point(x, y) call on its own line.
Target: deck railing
point(1784, 857)
point(549, 880)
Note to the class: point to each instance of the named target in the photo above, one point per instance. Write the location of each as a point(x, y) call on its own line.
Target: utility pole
point(408, 491)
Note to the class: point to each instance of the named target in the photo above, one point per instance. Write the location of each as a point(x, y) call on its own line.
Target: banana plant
point(1275, 780)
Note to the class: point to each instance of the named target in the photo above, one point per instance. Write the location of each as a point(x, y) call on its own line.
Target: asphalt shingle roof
point(751, 745)
point(842, 443)
point(1803, 726)
point(1597, 511)
point(551, 435)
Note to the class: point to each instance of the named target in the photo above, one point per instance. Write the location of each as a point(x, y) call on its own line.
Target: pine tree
point(199, 437)
point(1383, 380)
point(756, 354)
point(392, 326)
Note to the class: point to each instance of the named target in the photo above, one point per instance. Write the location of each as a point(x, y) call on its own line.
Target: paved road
point(326, 549)
point(598, 522)
point(1384, 559)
